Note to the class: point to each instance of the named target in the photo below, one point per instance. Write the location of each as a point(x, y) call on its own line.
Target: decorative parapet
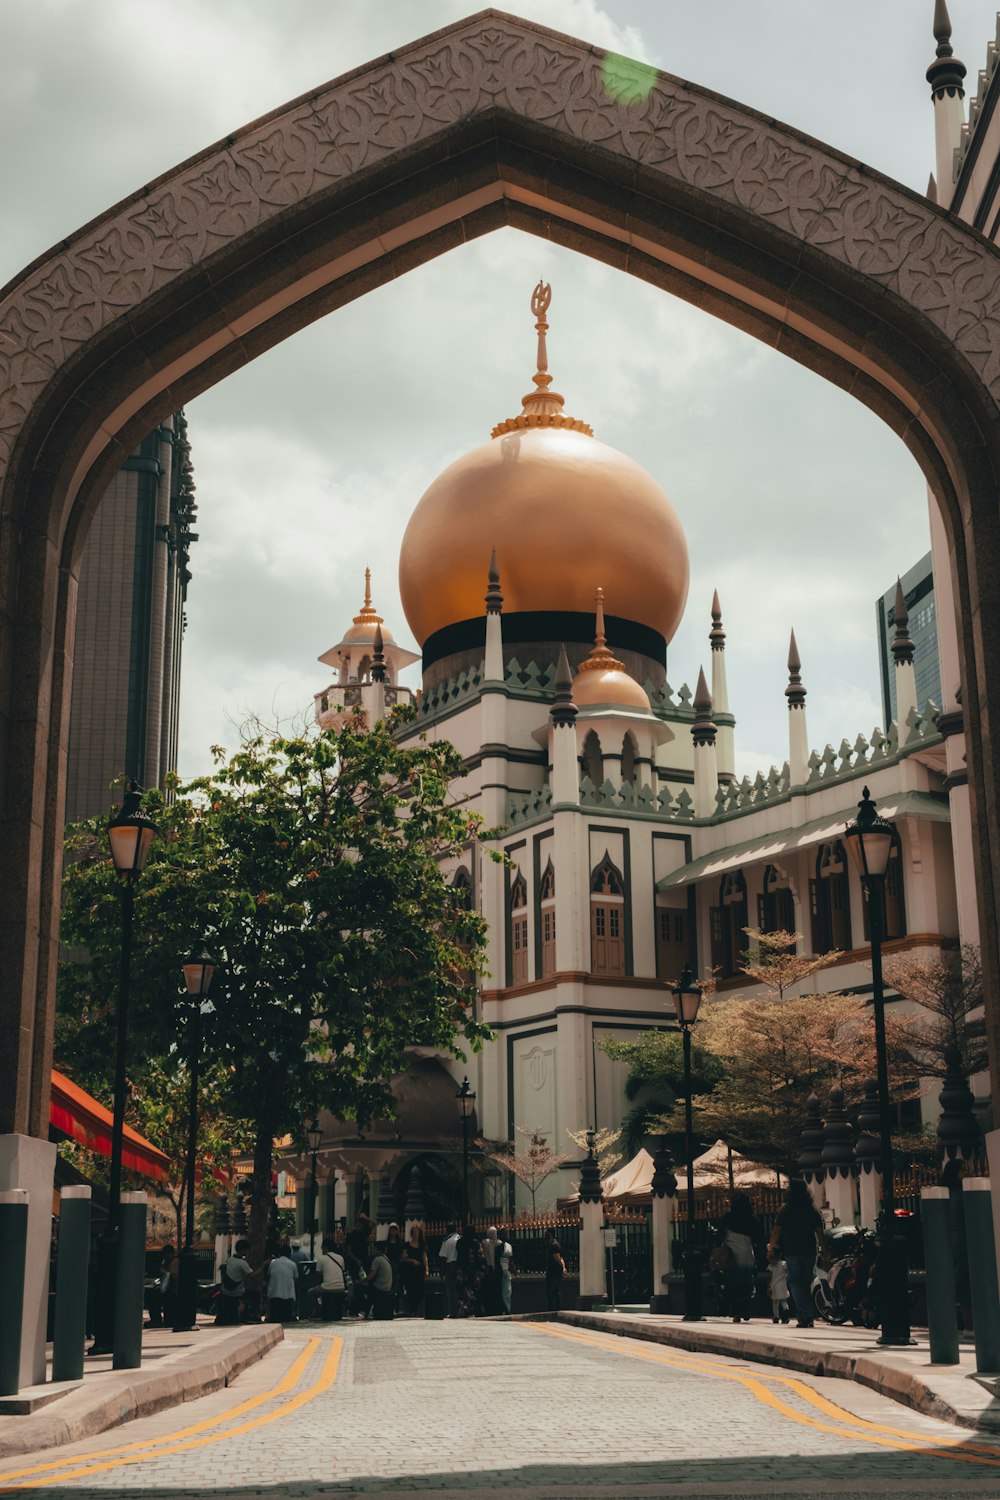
point(882, 749)
point(528, 807)
point(663, 700)
point(532, 680)
point(445, 695)
point(641, 800)
point(746, 795)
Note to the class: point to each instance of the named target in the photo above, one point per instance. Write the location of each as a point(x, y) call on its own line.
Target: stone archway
point(490, 122)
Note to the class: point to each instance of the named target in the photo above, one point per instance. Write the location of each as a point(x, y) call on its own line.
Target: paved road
point(517, 1409)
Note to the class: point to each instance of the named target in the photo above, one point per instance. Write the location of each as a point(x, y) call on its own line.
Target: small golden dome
point(550, 499)
point(602, 679)
point(362, 630)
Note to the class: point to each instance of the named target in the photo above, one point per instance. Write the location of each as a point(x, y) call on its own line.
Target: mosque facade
point(543, 576)
point(632, 847)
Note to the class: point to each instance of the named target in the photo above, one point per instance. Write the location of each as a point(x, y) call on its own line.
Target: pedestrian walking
point(414, 1270)
point(282, 1283)
point(161, 1299)
point(357, 1248)
point(798, 1238)
point(393, 1251)
point(555, 1271)
point(235, 1274)
point(498, 1255)
point(448, 1256)
point(741, 1235)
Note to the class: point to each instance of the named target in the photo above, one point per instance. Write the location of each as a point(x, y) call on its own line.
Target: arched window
point(607, 919)
point(364, 669)
point(893, 909)
point(462, 887)
point(728, 923)
point(547, 919)
point(830, 900)
point(630, 751)
point(776, 906)
point(673, 950)
point(593, 760)
point(519, 931)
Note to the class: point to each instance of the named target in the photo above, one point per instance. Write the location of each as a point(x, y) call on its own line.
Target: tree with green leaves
point(312, 867)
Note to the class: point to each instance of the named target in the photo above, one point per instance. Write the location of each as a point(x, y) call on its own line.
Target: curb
point(898, 1383)
point(84, 1412)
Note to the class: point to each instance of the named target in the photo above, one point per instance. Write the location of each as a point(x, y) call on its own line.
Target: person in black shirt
point(798, 1239)
point(555, 1270)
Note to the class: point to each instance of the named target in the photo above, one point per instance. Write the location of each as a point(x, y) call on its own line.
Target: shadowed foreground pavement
point(517, 1409)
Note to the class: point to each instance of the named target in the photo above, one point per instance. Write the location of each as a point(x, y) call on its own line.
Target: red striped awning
point(78, 1115)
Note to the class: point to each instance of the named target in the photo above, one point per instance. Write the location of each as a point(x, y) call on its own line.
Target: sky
point(797, 503)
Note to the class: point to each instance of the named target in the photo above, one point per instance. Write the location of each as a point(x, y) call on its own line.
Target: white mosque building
point(543, 576)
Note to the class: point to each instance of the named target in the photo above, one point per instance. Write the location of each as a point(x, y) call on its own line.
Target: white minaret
point(798, 738)
point(493, 670)
point(946, 76)
point(706, 768)
point(725, 745)
point(906, 677)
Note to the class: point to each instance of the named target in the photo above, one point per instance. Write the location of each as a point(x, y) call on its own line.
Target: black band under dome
point(558, 626)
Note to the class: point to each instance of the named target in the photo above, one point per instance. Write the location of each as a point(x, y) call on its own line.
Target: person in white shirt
point(332, 1290)
point(282, 1276)
point(448, 1256)
point(380, 1285)
point(498, 1255)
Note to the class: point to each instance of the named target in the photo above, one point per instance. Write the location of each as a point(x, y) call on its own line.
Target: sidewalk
point(176, 1367)
point(953, 1393)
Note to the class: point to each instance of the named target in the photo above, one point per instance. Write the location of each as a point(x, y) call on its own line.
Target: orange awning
point(78, 1115)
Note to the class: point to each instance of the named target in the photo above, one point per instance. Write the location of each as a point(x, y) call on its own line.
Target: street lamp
point(198, 971)
point(687, 999)
point(870, 839)
point(130, 835)
point(466, 1101)
point(314, 1136)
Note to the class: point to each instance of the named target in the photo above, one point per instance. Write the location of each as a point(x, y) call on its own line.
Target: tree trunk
point(260, 1192)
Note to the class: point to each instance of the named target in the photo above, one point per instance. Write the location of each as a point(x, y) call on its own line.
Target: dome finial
point(368, 614)
point(600, 636)
point(541, 407)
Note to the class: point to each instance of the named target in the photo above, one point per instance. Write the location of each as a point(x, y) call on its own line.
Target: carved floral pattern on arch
point(674, 132)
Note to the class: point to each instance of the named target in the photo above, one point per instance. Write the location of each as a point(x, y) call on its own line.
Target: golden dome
point(554, 503)
point(602, 679)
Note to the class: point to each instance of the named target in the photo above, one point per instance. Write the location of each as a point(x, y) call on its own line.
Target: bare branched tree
point(531, 1165)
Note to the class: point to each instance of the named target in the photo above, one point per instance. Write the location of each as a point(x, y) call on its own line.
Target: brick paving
point(486, 1408)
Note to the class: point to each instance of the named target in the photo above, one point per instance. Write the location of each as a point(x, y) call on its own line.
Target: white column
point(870, 1198)
point(29, 1164)
point(592, 1277)
point(840, 1196)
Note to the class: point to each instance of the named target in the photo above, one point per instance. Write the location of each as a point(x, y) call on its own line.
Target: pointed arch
point(518, 920)
point(493, 121)
point(607, 918)
point(547, 919)
point(830, 899)
point(630, 754)
point(593, 759)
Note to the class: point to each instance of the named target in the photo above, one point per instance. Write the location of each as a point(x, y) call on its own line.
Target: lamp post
point(130, 835)
point(687, 999)
point(314, 1136)
point(466, 1101)
point(198, 971)
point(870, 839)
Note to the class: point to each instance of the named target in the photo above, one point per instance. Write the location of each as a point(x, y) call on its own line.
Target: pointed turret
point(726, 748)
point(376, 705)
point(946, 76)
point(378, 656)
point(706, 765)
point(563, 710)
point(906, 677)
point(798, 738)
point(493, 670)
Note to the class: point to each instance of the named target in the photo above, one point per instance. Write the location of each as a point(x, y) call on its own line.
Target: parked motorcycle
point(846, 1289)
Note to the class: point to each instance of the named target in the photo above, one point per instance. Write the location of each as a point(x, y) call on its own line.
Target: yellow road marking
point(159, 1447)
point(861, 1428)
point(290, 1379)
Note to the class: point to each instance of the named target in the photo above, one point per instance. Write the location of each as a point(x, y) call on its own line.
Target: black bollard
point(982, 1273)
point(70, 1332)
point(131, 1281)
point(942, 1314)
point(13, 1254)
